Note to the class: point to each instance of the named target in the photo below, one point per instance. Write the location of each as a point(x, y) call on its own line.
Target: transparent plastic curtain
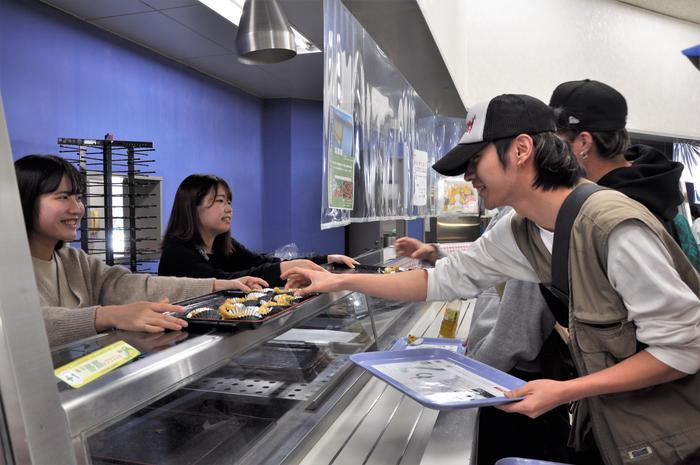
point(688, 154)
point(394, 133)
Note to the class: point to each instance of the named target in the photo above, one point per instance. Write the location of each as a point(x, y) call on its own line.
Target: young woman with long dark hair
point(198, 242)
point(79, 294)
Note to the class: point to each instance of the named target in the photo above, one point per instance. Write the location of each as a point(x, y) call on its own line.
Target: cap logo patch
point(574, 120)
point(476, 118)
point(470, 124)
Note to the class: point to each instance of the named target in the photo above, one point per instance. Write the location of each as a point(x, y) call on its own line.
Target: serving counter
point(277, 394)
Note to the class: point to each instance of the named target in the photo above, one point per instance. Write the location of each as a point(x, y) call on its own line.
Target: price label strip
point(89, 367)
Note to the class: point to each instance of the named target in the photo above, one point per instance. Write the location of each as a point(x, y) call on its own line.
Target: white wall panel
point(513, 46)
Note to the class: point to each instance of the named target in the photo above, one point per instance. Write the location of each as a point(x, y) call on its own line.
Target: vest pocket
point(603, 346)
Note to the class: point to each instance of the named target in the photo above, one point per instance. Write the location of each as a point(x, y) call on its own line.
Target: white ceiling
point(192, 34)
point(688, 10)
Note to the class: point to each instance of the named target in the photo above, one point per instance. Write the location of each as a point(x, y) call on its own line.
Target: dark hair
point(555, 164)
point(608, 143)
point(183, 222)
point(38, 175)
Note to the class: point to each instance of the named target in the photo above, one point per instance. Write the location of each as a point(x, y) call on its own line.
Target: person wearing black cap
point(634, 314)
point(592, 116)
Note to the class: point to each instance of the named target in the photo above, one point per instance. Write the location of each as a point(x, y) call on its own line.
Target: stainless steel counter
point(151, 377)
point(259, 396)
point(252, 396)
point(382, 426)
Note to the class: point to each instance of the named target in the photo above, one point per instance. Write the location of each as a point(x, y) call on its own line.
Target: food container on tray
point(204, 310)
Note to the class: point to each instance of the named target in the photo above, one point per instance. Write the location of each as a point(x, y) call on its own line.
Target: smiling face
point(214, 212)
point(486, 174)
point(58, 214)
point(495, 183)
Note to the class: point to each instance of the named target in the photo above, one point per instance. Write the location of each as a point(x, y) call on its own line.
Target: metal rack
point(137, 196)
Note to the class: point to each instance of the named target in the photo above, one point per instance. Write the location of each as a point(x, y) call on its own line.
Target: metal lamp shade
point(264, 34)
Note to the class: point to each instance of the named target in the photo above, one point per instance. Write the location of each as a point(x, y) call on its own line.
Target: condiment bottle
point(450, 321)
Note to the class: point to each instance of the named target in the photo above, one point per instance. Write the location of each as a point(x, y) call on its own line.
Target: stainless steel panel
point(452, 439)
point(457, 229)
point(36, 426)
point(400, 29)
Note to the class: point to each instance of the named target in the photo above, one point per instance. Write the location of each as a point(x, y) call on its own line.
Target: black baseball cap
point(590, 105)
point(504, 116)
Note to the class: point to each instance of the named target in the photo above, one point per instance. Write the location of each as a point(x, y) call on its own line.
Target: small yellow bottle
point(450, 321)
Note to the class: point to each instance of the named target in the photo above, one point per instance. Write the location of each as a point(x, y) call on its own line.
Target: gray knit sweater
point(95, 284)
point(508, 332)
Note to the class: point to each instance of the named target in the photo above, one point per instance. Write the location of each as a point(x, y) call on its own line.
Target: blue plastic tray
point(440, 379)
point(453, 345)
point(519, 461)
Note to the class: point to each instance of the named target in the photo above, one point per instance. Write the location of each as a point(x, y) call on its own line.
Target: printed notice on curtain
point(455, 195)
point(341, 173)
point(420, 178)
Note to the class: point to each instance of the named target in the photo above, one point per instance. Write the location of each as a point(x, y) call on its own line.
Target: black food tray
point(294, 362)
point(303, 357)
point(215, 299)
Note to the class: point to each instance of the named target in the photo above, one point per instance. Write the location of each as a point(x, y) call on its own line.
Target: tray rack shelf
point(122, 222)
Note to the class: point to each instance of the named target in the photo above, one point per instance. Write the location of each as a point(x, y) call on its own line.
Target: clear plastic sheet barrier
point(384, 173)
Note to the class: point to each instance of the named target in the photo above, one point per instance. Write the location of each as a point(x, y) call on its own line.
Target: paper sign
point(88, 368)
point(457, 196)
point(420, 178)
point(341, 162)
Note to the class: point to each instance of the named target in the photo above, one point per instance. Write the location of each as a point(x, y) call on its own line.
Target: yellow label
point(89, 367)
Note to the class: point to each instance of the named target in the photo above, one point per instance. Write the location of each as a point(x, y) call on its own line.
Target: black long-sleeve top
point(186, 259)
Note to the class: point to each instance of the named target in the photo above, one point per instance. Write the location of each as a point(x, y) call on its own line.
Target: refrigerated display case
point(229, 395)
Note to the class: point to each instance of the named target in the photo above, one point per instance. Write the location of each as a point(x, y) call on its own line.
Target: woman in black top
point(198, 242)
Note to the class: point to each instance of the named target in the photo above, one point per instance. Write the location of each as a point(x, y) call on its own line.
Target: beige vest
point(655, 425)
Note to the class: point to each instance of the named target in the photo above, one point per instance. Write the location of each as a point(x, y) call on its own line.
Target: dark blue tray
point(433, 379)
point(453, 345)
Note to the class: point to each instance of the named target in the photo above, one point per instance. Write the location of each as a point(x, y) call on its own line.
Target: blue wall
point(60, 77)
point(277, 168)
point(414, 228)
point(292, 148)
point(306, 181)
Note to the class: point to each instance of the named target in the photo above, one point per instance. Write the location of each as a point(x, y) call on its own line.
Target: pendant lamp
point(264, 34)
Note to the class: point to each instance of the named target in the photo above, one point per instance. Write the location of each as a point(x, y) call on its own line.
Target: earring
point(584, 155)
point(518, 163)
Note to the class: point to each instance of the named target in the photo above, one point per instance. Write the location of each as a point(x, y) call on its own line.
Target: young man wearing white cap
point(634, 314)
